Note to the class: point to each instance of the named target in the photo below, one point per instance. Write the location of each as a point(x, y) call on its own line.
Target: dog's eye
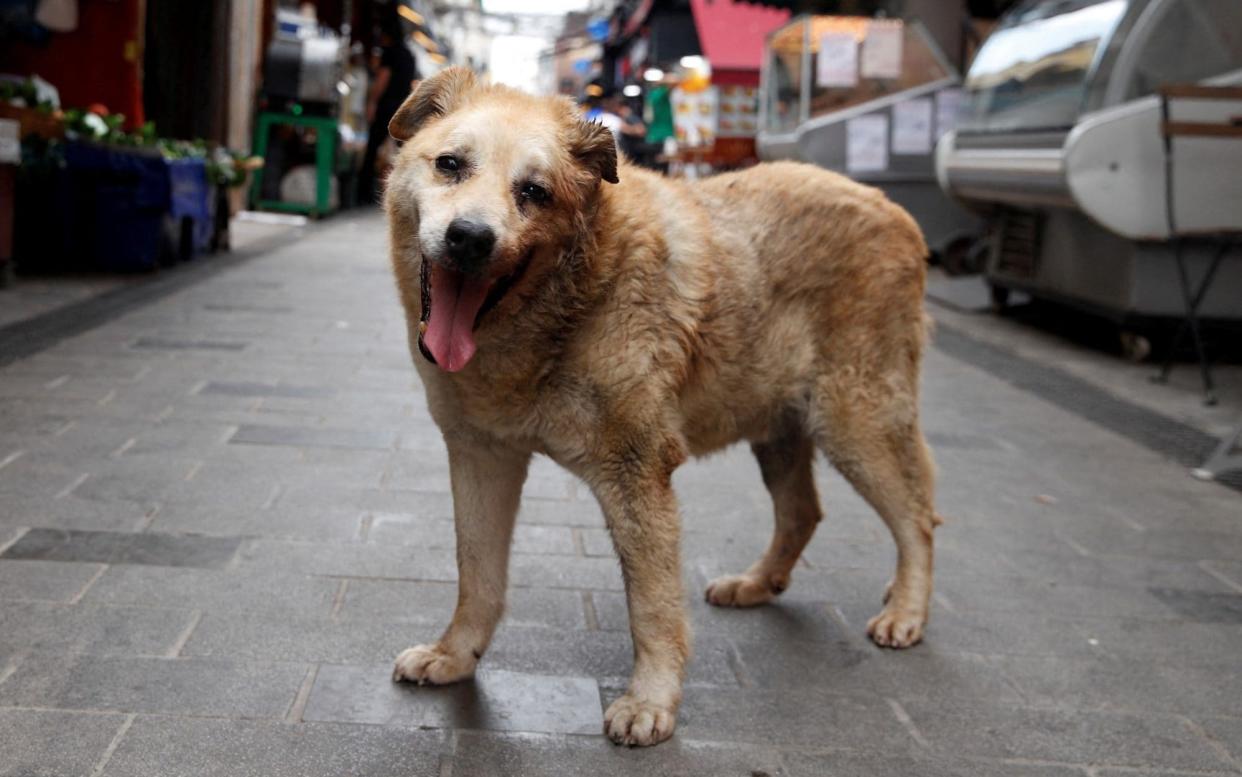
point(535, 193)
point(447, 163)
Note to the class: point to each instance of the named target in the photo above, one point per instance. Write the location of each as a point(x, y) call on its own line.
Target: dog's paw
point(741, 591)
point(637, 722)
point(432, 664)
point(896, 628)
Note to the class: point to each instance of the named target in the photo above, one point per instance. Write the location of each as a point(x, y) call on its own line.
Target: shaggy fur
point(652, 320)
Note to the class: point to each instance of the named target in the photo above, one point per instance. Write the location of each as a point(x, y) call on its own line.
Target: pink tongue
point(455, 303)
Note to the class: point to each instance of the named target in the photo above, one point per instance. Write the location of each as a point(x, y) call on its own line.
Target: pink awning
point(731, 33)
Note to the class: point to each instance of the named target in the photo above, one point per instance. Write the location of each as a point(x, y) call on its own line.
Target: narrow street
point(224, 512)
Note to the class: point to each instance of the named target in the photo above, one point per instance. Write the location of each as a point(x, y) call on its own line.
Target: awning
point(731, 33)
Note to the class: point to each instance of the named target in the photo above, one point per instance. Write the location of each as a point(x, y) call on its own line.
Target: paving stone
point(579, 512)
point(779, 621)
point(606, 656)
point(226, 485)
point(847, 764)
point(1173, 543)
point(484, 754)
point(407, 562)
point(301, 522)
point(1193, 644)
point(1227, 732)
point(1054, 599)
point(1160, 686)
point(565, 572)
point(213, 590)
point(493, 700)
point(252, 389)
point(858, 667)
point(260, 637)
point(155, 685)
point(310, 437)
point(397, 600)
point(133, 480)
point(39, 475)
point(38, 626)
point(47, 742)
point(1201, 606)
point(179, 438)
point(1116, 738)
point(995, 632)
point(409, 529)
point(791, 718)
point(44, 581)
point(173, 550)
point(197, 747)
point(168, 344)
point(1113, 571)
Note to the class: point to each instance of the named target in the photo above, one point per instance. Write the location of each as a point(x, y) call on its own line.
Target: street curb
point(1161, 434)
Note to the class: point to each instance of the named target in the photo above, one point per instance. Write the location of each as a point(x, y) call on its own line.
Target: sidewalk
point(222, 515)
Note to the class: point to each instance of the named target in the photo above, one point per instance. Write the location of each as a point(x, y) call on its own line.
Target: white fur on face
point(497, 161)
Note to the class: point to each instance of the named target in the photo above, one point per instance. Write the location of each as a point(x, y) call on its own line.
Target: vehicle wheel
point(1134, 347)
point(1000, 298)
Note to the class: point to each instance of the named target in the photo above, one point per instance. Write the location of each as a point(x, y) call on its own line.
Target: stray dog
point(560, 301)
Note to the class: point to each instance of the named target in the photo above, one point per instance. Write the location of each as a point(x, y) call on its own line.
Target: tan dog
point(568, 304)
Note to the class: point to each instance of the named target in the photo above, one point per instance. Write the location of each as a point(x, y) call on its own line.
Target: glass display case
point(867, 97)
point(799, 87)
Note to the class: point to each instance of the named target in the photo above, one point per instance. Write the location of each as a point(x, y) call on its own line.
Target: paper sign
point(881, 50)
point(950, 105)
point(10, 142)
point(838, 60)
point(866, 143)
point(912, 126)
point(695, 116)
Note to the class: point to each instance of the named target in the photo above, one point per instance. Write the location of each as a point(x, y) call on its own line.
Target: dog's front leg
point(487, 486)
point(641, 512)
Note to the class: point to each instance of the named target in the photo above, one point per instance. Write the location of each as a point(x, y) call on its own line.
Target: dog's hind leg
point(487, 487)
point(785, 462)
point(878, 446)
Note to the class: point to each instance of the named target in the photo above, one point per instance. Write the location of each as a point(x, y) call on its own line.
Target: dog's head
point(495, 181)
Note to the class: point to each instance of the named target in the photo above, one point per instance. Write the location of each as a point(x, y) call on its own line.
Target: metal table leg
point(1223, 459)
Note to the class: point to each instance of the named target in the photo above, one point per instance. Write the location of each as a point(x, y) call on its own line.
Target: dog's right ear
point(595, 147)
point(433, 96)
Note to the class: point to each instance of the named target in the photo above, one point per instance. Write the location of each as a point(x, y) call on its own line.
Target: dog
point(560, 301)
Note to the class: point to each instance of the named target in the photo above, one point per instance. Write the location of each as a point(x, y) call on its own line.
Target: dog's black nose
point(469, 244)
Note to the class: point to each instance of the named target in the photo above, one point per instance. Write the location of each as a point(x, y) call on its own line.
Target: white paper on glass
point(866, 143)
point(950, 103)
point(881, 50)
point(838, 60)
point(912, 126)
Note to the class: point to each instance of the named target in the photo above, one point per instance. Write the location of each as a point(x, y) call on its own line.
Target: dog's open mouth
point(453, 305)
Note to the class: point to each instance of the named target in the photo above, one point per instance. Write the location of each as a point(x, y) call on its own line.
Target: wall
point(99, 62)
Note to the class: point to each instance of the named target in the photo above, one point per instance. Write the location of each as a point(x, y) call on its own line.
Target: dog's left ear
point(434, 96)
point(594, 146)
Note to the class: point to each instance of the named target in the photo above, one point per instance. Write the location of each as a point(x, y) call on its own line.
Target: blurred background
point(1057, 177)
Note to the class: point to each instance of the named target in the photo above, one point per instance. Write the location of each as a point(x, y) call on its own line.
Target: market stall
point(1061, 148)
point(867, 97)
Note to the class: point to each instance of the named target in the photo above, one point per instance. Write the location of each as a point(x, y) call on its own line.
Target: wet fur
point(659, 320)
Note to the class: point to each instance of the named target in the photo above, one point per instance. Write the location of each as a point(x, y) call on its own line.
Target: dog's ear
point(595, 148)
point(433, 96)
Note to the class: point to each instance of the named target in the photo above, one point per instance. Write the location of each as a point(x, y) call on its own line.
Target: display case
point(1061, 147)
point(867, 97)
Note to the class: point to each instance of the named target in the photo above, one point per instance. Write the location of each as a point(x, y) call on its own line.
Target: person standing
point(390, 85)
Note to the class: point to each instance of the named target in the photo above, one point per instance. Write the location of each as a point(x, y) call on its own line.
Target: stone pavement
point(223, 513)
